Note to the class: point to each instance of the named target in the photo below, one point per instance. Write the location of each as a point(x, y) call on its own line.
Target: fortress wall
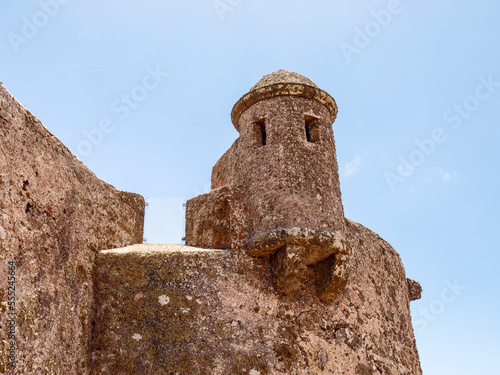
point(55, 214)
point(165, 309)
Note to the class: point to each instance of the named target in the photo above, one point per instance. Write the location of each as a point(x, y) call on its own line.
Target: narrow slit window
point(312, 129)
point(260, 127)
point(308, 132)
point(263, 135)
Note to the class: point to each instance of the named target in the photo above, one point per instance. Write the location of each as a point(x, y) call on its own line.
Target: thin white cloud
point(352, 167)
point(444, 176)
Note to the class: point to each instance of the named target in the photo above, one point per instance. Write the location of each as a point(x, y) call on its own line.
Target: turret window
point(311, 128)
point(260, 130)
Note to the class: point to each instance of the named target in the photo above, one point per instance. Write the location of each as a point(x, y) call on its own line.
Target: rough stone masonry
point(273, 279)
point(55, 215)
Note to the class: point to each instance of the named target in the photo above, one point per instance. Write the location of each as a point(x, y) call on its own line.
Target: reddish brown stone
point(174, 309)
point(285, 167)
point(221, 219)
point(299, 290)
point(414, 289)
point(55, 214)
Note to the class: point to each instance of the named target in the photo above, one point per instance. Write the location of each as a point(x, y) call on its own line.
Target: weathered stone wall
point(55, 214)
point(347, 304)
point(173, 309)
point(217, 219)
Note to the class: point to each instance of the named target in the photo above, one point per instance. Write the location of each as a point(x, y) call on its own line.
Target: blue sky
point(142, 93)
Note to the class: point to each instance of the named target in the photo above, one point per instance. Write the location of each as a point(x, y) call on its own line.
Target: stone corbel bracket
point(292, 250)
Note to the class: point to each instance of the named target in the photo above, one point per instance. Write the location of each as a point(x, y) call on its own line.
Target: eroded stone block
point(55, 214)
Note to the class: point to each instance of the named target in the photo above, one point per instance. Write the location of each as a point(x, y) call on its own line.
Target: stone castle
point(273, 278)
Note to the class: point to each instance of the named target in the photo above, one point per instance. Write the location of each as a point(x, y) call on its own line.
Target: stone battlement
point(273, 279)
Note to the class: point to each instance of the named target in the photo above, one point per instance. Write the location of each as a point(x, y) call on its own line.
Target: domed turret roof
point(282, 83)
point(283, 76)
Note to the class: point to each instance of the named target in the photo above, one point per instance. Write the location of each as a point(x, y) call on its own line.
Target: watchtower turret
point(285, 155)
point(279, 182)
